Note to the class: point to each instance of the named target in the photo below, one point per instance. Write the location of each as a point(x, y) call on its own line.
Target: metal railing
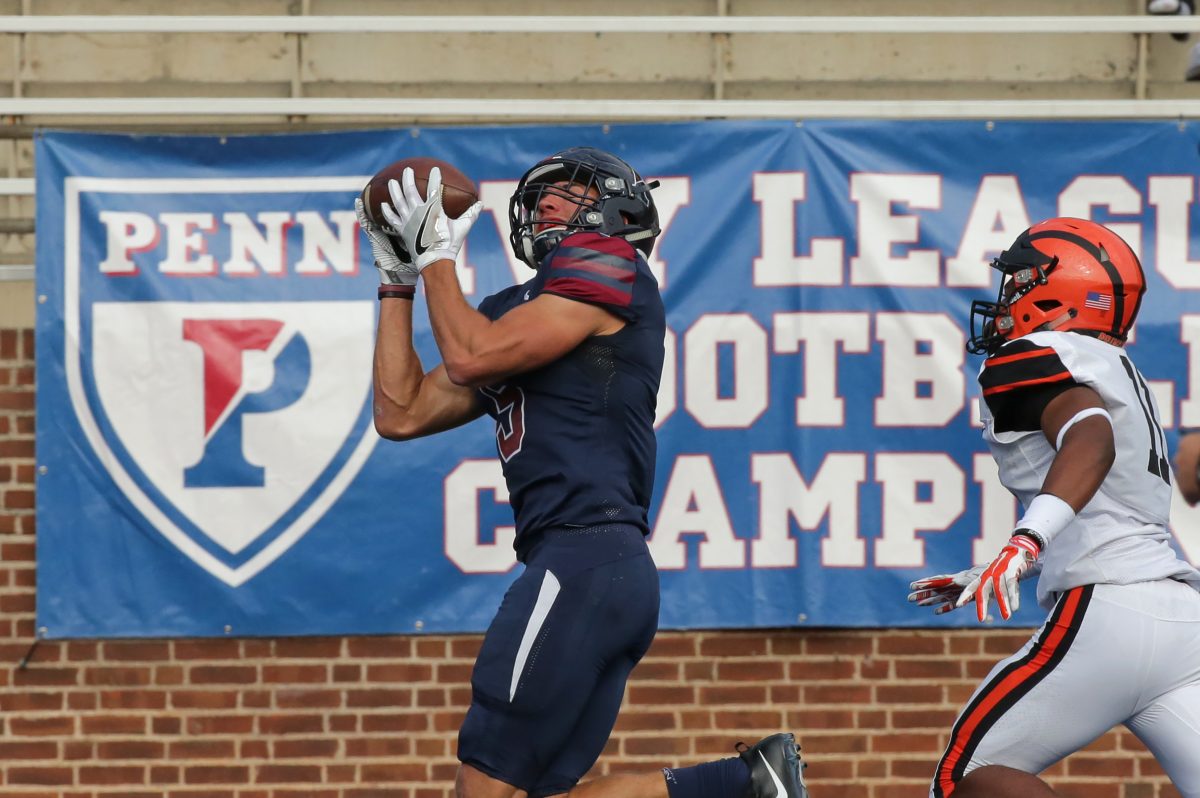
point(601, 110)
point(598, 24)
point(16, 272)
point(16, 187)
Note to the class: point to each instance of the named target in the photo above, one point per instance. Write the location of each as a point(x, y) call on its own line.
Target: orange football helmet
point(1061, 274)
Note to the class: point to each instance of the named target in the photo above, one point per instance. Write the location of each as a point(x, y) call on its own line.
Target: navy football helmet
point(614, 200)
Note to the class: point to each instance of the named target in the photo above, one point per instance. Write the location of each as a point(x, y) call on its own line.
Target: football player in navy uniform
point(1075, 432)
point(568, 365)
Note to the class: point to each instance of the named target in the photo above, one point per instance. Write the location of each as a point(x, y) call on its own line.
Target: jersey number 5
point(509, 403)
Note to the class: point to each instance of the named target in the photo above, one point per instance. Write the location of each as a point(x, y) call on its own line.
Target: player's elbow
point(397, 426)
point(468, 372)
point(391, 430)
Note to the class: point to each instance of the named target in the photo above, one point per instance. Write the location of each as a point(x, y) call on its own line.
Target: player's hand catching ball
point(394, 264)
point(426, 229)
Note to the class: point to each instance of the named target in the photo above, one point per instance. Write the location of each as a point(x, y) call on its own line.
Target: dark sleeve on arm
point(597, 269)
point(1019, 381)
point(487, 307)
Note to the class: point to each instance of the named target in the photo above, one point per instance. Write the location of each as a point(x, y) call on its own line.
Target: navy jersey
point(576, 437)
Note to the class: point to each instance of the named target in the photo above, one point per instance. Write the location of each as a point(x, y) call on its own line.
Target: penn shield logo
point(233, 421)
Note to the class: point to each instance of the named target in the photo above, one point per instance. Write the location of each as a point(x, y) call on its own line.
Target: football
point(458, 192)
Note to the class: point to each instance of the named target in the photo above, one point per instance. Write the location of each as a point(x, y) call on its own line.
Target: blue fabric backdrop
point(204, 341)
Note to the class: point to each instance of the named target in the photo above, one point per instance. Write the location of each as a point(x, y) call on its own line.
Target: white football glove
point(427, 232)
point(1002, 577)
point(395, 268)
point(941, 591)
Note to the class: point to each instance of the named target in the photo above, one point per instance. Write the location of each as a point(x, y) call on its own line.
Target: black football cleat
point(776, 770)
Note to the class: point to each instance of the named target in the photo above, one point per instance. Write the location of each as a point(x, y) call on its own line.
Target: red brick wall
point(377, 716)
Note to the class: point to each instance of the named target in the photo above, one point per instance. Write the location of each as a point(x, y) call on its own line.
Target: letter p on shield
point(228, 398)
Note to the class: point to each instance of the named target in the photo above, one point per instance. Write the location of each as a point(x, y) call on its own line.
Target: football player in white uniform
point(1075, 433)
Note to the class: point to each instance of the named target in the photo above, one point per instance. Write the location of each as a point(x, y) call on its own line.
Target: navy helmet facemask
point(611, 198)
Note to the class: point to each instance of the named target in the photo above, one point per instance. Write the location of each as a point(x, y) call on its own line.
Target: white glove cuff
point(433, 256)
point(1047, 515)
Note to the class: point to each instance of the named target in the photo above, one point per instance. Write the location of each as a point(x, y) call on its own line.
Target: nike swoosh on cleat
point(780, 792)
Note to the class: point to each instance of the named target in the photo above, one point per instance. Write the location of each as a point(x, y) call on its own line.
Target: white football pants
point(1107, 654)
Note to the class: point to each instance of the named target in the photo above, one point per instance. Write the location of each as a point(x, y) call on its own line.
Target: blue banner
point(206, 318)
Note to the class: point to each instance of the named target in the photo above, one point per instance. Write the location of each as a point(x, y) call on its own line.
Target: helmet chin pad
point(542, 244)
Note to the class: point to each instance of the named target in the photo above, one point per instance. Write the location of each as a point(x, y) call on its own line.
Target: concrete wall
point(642, 66)
point(633, 65)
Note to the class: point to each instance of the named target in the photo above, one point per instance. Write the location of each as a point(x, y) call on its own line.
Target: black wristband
point(1034, 536)
point(397, 291)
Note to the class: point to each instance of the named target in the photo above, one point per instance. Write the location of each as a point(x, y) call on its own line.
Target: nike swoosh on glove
point(1002, 577)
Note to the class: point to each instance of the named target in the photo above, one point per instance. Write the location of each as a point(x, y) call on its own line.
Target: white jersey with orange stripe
point(1121, 536)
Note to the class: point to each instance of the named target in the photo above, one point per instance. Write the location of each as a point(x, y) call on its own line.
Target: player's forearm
point(459, 330)
point(397, 369)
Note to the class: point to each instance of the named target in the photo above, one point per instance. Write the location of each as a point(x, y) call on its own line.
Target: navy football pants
point(551, 673)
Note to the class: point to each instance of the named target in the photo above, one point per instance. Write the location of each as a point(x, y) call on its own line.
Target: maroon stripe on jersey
point(1020, 365)
point(588, 291)
point(1009, 686)
point(593, 268)
point(612, 258)
point(605, 268)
